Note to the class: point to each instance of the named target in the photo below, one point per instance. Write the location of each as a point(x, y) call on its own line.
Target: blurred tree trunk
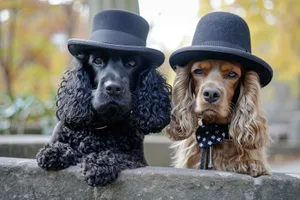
point(70, 23)
point(6, 61)
point(298, 92)
point(98, 5)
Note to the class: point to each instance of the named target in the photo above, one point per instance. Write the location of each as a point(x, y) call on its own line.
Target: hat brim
point(183, 56)
point(78, 46)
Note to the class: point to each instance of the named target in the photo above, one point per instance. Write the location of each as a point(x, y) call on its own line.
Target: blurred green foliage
point(16, 112)
point(33, 57)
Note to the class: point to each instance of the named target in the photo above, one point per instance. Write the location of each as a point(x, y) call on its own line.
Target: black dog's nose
point(211, 95)
point(113, 88)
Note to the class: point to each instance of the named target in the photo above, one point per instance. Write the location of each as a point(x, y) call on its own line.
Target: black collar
point(100, 128)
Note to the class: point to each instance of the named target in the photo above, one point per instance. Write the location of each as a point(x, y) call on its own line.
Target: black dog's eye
point(99, 61)
point(131, 63)
point(198, 71)
point(232, 75)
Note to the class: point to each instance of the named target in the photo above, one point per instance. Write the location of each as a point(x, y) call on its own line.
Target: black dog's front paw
point(100, 169)
point(56, 156)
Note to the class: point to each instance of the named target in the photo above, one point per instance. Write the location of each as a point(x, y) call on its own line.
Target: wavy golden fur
point(245, 152)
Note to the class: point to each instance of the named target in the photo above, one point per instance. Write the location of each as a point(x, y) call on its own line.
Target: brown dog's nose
point(113, 88)
point(211, 95)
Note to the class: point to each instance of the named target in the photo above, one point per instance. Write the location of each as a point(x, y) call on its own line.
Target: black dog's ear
point(152, 104)
point(74, 95)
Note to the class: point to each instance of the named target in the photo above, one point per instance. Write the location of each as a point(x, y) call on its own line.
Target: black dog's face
point(113, 77)
point(107, 87)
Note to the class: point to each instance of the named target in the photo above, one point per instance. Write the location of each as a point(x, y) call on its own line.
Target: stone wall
point(157, 148)
point(22, 179)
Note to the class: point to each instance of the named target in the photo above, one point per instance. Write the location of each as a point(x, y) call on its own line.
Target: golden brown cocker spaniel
point(219, 92)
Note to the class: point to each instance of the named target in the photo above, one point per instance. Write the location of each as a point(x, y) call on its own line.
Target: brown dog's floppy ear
point(248, 125)
point(183, 122)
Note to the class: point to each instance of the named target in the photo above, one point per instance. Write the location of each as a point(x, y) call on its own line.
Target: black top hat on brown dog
point(118, 30)
point(223, 36)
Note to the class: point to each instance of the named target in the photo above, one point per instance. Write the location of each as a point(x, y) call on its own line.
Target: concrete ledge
point(156, 147)
point(22, 179)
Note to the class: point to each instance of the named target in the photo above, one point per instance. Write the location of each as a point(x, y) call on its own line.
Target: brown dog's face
point(214, 83)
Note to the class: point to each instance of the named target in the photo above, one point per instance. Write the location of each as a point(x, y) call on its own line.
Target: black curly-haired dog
point(106, 103)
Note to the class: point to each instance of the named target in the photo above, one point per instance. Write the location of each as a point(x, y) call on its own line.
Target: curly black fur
point(72, 97)
point(103, 153)
point(152, 100)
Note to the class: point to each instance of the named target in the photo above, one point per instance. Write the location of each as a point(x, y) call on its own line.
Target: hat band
point(223, 44)
point(117, 38)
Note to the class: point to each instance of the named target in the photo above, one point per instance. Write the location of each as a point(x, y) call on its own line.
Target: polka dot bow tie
point(208, 136)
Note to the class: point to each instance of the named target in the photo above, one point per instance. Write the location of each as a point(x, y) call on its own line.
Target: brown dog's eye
point(232, 75)
point(198, 71)
point(99, 61)
point(131, 63)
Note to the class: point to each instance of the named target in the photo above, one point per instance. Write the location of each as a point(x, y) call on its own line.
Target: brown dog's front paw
point(253, 168)
point(257, 168)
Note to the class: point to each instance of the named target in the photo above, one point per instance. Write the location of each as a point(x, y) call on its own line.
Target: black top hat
point(118, 30)
point(223, 36)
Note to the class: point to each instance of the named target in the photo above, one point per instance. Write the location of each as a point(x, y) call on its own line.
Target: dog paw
point(96, 175)
point(254, 168)
point(56, 156)
point(99, 171)
point(258, 168)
